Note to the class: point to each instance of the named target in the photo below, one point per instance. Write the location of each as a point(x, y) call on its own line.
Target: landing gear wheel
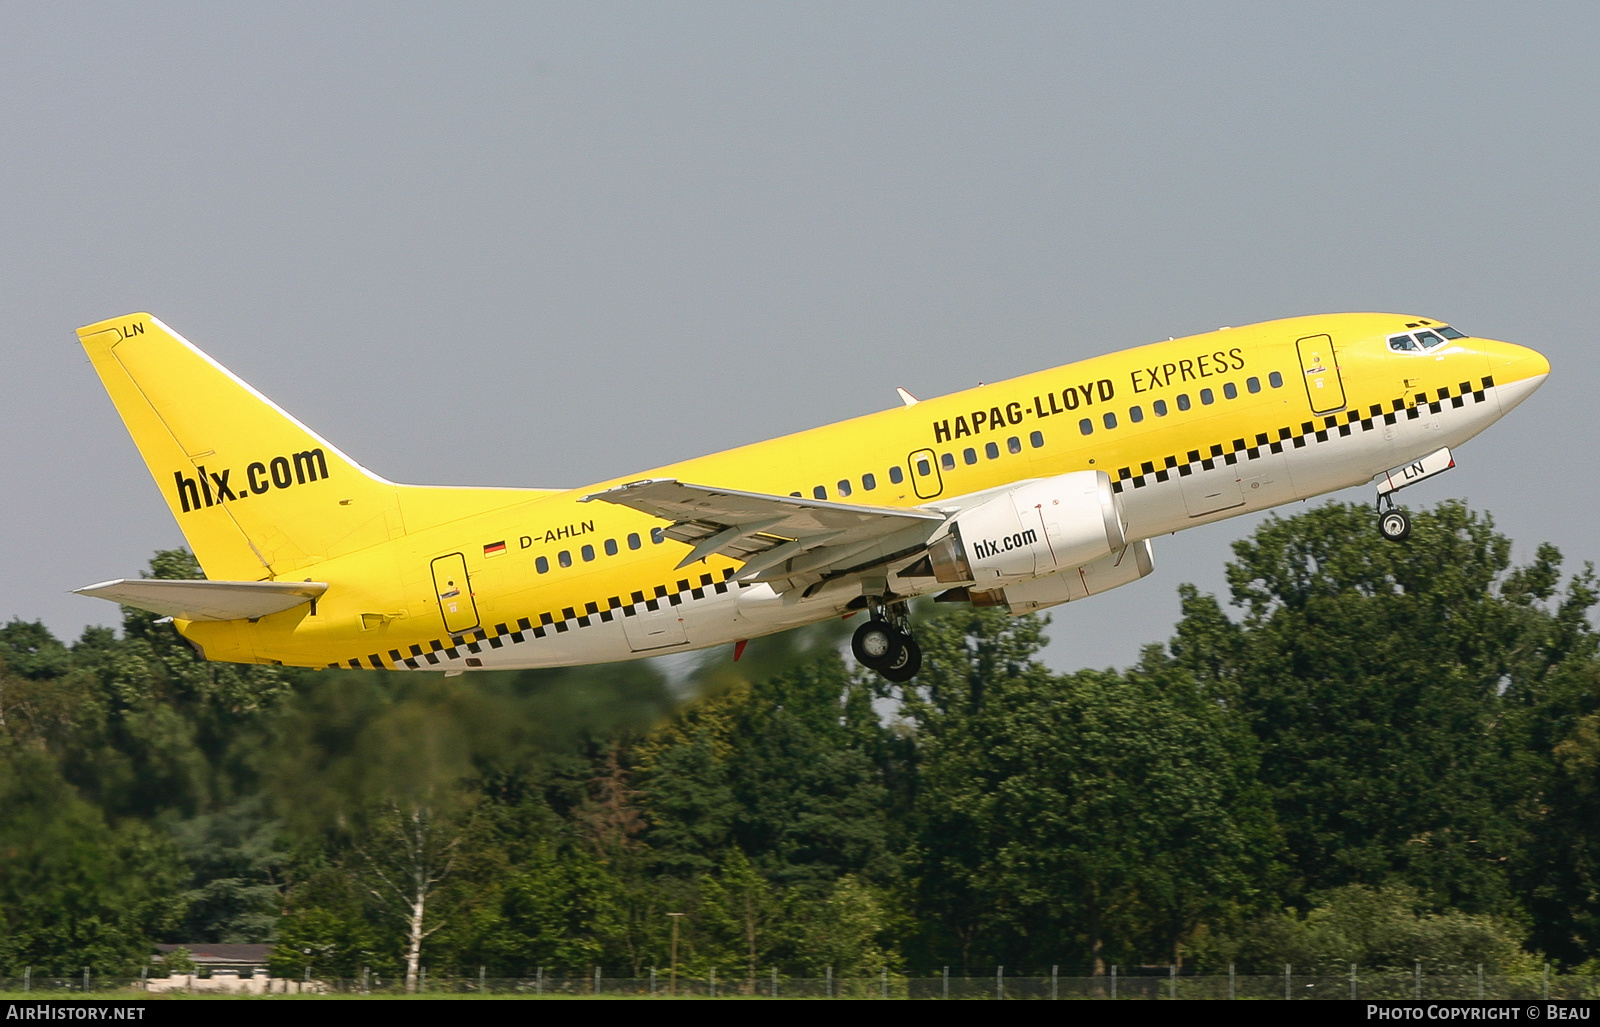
point(877, 644)
point(1394, 525)
point(910, 661)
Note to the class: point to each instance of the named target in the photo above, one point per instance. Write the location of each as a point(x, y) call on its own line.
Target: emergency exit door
point(925, 474)
point(454, 589)
point(1320, 368)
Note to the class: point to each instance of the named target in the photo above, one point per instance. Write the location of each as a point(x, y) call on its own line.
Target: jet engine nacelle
point(1130, 563)
point(1032, 530)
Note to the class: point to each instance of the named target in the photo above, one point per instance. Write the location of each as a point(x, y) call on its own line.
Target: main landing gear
point(885, 645)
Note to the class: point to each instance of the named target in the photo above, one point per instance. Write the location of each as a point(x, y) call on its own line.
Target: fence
point(1001, 985)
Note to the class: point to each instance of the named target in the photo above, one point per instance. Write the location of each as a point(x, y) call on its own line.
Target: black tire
point(910, 661)
point(876, 644)
point(1394, 525)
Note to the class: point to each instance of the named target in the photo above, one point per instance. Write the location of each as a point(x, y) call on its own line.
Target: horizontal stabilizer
point(207, 600)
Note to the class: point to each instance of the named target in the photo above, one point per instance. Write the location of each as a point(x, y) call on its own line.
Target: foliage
point(75, 890)
point(1379, 753)
point(178, 961)
point(1376, 929)
point(1103, 814)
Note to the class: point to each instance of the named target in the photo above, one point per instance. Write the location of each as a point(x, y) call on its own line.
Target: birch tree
point(387, 781)
point(403, 857)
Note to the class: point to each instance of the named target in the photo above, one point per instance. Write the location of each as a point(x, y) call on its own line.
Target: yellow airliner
point(1023, 493)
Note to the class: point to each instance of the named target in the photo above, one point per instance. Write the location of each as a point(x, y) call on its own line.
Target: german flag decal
point(494, 548)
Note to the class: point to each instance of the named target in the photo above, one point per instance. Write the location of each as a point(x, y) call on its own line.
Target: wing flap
point(207, 600)
point(770, 534)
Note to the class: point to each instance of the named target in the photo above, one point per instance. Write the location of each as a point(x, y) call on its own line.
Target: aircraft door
point(1320, 364)
point(925, 473)
point(454, 589)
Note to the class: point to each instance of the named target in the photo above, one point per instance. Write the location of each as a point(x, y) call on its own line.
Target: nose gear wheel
point(1394, 525)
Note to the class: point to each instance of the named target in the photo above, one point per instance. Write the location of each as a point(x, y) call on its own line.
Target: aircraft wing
point(785, 540)
point(207, 600)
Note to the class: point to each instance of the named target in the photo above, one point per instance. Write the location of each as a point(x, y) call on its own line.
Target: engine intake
point(1032, 530)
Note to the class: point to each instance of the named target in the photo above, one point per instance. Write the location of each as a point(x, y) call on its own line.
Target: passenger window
point(1253, 384)
point(844, 487)
point(633, 540)
point(1450, 333)
point(655, 535)
point(923, 468)
point(1275, 380)
point(868, 482)
point(1036, 440)
point(970, 455)
point(895, 477)
point(588, 554)
point(1183, 401)
point(821, 492)
point(1207, 397)
point(1135, 414)
point(611, 547)
point(991, 450)
point(542, 565)
point(564, 558)
point(796, 495)
point(1014, 444)
point(1231, 390)
point(1110, 419)
point(948, 461)
point(1086, 426)
point(1160, 407)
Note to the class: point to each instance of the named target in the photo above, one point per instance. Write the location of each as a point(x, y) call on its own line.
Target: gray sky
point(544, 244)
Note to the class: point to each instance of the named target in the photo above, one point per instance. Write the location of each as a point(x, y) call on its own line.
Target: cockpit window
point(1419, 342)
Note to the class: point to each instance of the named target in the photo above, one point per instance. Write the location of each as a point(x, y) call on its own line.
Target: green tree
point(328, 929)
point(386, 783)
point(1379, 678)
point(1104, 813)
point(742, 918)
point(808, 776)
point(970, 657)
point(237, 860)
point(29, 650)
point(75, 890)
point(851, 929)
point(1561, 874)
point(1376, 929)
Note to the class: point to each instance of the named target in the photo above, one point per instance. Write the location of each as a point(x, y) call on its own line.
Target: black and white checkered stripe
point(458, 647)
point(1321, 430)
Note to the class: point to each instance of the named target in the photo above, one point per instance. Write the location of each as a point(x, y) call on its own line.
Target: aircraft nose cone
point(1517, 372)
point(1511, 364)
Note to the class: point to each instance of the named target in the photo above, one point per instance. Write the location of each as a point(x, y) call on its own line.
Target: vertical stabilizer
point(257, 494)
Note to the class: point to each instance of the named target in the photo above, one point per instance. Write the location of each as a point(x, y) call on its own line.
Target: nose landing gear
point(884, 643)
point(1394, 523)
